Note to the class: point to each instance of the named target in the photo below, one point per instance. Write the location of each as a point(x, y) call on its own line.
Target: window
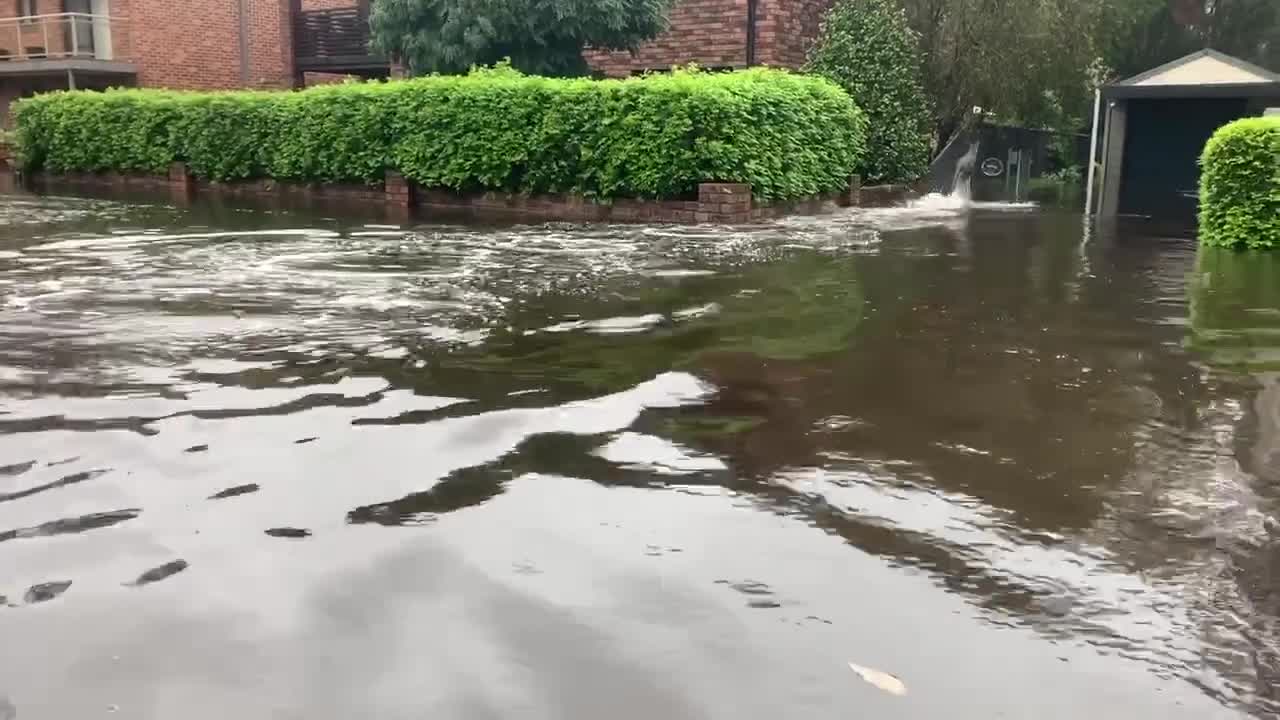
point(27, 9)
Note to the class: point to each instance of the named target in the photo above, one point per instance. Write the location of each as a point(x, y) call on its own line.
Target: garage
point(1154, 125)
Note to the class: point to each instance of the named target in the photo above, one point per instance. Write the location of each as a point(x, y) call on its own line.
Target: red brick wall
point(179, 44)
point(17, 39)
point(713, 33)
point(786, 29)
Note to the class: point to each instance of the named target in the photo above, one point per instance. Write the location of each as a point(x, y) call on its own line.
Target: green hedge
point(1240, 185)
point(787, 135)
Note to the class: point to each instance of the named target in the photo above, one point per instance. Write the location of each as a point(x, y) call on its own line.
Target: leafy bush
point(786, 135)
point(1240, 185)
point(867, 48)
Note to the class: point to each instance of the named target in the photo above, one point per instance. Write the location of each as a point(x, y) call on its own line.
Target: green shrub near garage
point(1240, 185)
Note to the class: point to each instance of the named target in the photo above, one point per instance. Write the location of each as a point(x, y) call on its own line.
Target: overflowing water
point(947, 460)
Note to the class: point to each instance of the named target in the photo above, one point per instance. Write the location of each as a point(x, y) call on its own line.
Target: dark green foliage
point(545, 37)
point(867, 47)
point(1240, 185)
point(788, 136)
point(1235, 308)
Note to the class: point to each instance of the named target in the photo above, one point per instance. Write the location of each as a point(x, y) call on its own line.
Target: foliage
point(1240, 185)
point(1064, 186)
point(867, 48)
point(788, 136)
point(1023, 60)
point(1137, 35)
point(1037, 62)
point(1235, 308)
point(545, 37)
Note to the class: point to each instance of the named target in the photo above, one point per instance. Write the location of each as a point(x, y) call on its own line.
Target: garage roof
point(1205, 73)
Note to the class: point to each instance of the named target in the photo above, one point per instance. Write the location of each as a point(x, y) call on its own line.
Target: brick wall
point(178, 44)
point(713, 33)
point(181, 44)
point(32, 37)
point(786, 29)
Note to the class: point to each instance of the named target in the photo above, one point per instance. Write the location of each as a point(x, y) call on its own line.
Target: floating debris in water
point(295, 533)
point(234, 491)
point(160, 573)
point(883, 680)
point(45, 592)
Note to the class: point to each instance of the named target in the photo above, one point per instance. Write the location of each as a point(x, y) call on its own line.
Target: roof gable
point(1205, 67)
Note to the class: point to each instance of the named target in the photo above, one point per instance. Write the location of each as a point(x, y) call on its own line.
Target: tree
point(1137, 35)
point(867, 47)
point(543, 37)
point(1027, 61)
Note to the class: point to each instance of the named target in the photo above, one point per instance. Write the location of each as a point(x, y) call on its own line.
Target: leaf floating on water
point(160, 573)
point(45, 592)
point(883, 680)
point(293, 533)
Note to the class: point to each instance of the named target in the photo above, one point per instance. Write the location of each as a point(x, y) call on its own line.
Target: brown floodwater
point(270, 465)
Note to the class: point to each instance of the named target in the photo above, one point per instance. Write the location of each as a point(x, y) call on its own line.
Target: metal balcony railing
point(63, 36)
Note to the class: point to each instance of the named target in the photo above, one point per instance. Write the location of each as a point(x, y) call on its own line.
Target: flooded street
point(271, 465)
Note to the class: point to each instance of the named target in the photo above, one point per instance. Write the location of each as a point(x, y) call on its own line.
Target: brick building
point(222, 44)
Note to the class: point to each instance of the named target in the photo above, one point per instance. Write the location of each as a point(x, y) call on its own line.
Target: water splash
point(962, 184)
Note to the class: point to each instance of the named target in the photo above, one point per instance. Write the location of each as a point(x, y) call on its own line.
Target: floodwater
point(269, 465)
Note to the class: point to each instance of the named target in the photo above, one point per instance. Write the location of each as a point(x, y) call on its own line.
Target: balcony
point(335, 40)
point(64, 43)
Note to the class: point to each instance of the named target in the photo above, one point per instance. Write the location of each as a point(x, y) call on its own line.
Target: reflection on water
point(273, 463)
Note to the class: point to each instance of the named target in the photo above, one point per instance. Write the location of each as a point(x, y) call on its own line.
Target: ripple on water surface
point(269, 462)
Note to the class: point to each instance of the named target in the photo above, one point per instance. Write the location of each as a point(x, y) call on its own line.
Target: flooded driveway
point(266, 465)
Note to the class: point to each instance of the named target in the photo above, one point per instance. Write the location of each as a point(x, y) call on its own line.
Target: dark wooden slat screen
point(333, 39)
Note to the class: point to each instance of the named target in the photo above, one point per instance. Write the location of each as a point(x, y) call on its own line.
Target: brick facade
point(172, 48)
point(714, 34)
point(786, 29)
point(186, 45)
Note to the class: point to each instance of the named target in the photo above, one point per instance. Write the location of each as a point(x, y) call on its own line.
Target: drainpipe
point(244, 42)
point(751, 31)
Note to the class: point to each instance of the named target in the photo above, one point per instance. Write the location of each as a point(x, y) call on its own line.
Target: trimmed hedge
point(788, 136)
point(1240, 185)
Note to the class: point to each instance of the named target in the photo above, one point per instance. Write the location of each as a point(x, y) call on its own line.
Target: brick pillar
point(8, 171)
point(289, 17)
point(853, 197)
point(399, 195)
point(724, 202)
point(182, 185)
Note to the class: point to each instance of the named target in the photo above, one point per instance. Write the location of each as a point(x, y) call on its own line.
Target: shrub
point(788, 136)
point(867, 48)
point(1240, 185)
